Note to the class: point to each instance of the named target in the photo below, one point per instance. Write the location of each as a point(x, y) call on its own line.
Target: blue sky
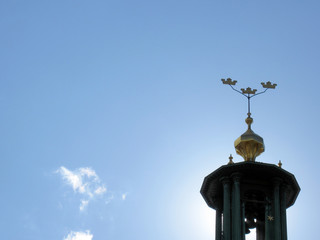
point(113, 112)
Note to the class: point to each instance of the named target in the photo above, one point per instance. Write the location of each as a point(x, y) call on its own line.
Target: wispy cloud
point(124, 196)
point(79, 236)
point(100, 190)
point(109, 199)
point(73, 179)
point(83, 204)
point(84, 181)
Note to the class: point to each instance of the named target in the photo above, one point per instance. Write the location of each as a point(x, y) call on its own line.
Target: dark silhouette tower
point(250, 194)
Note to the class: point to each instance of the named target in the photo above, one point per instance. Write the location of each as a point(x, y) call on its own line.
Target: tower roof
point(257, 174)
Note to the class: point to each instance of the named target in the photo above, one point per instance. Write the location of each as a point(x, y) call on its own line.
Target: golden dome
point(249, 145)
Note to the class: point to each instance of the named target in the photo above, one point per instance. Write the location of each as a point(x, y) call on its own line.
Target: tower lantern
point(250, 194)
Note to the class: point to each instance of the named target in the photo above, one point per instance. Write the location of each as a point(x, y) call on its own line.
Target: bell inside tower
point(254, 203)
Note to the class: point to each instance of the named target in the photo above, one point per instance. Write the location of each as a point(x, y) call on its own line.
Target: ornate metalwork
point(248, 92)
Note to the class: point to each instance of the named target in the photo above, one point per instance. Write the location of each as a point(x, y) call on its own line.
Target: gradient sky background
point(113, 112)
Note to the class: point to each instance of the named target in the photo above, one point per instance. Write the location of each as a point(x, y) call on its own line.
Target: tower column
point(260, 230)
point(243, 225)
point(283, 213)
point(267, 221)
point(218, 224)
point(276, 203)
point(226, 209)
point(236, 207)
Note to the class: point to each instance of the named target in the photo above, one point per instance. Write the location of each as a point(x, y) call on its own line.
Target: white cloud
point(100, 190)
point(75, 180)
point(124, 196)
point(84, 181)
point(79, 236)
point(89, 173)
point(83, 204)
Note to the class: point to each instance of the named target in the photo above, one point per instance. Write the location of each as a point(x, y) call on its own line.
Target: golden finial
point(280, 164)
point(230, 159)
point(249, 145)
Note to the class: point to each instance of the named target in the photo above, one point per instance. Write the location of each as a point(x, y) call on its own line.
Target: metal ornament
point(249, 145)
point(248, 92)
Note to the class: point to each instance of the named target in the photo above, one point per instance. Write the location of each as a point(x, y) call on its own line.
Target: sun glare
point(251, 235)
point(191, 217)
point(205, 219)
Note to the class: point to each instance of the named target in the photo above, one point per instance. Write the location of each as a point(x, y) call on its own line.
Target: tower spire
point(249, 145)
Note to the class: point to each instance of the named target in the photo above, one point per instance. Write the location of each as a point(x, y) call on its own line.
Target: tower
point(250, 194)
